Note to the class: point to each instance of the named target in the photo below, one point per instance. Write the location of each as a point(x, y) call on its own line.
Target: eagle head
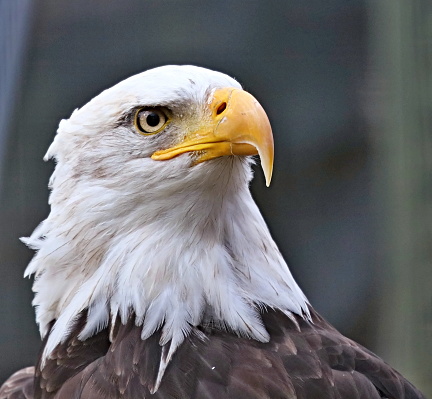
point(151, 215)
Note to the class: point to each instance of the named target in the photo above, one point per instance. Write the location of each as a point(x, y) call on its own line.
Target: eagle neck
point(208, 258)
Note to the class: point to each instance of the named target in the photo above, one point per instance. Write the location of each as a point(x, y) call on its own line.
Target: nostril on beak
point(221, 108)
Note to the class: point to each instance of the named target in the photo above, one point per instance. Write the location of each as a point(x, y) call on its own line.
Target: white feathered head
point(151, 214)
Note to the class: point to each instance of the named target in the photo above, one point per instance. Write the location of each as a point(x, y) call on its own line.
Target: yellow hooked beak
point(238, 126)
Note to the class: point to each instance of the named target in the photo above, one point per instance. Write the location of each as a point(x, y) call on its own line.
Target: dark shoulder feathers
point(303, 360)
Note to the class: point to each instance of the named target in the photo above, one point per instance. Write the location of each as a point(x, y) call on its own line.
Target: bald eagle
point(155, 273)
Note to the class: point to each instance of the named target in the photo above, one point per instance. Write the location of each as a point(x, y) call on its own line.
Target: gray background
point(323, 70)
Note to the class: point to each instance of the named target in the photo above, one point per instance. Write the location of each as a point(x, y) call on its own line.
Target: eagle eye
point(150, 120)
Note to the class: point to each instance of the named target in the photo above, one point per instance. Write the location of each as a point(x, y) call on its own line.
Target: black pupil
point(153, 119)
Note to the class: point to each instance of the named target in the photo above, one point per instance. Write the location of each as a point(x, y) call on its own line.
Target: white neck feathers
point(206, 247)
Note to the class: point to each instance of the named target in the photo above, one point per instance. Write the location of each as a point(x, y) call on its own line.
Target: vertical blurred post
point(14, 29)
point(402, 59)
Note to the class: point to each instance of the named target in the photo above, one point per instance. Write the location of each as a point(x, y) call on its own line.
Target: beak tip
point(267, 165)
point(268, 178)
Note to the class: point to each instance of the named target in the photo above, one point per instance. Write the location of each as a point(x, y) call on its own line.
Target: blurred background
point(347, 85)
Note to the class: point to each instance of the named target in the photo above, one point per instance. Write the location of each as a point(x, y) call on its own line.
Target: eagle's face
point(157, 130)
